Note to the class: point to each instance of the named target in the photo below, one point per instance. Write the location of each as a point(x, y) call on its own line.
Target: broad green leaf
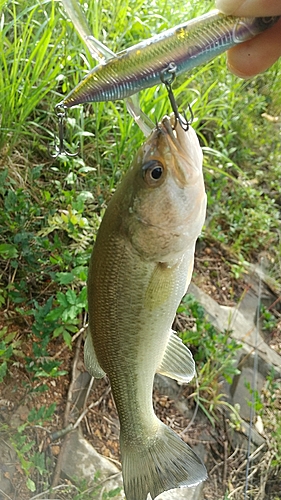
point(30, 484)
point(8, 251)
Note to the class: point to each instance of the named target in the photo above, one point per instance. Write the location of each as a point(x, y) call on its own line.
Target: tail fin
point(163, 463)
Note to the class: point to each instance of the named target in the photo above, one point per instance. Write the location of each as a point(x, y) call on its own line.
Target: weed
point(269, 411)
point(25, 446)
point(29, 43)
point(214, 353)
point(9, 347)
point(94, 491)
point(269, 321)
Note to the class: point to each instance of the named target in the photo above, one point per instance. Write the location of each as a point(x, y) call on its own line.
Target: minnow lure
point(185, 46)
point(101, 53)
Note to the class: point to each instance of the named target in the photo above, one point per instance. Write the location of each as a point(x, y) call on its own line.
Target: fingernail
point(228, 6)
point(237, 72)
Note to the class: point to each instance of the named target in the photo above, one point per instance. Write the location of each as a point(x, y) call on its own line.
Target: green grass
point(50, 209)
point(28, 74)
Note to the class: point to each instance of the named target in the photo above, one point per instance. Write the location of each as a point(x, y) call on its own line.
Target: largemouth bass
point(140, 268)
point(184, 46)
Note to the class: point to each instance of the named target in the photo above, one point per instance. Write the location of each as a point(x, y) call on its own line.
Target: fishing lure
point(102, 53)
point(185, 46)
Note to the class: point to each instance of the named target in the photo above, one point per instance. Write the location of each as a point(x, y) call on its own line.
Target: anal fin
point(177, 362)
point(90, 358)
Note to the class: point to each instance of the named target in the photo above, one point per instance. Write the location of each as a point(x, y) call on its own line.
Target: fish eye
point(152, 171)
point(156, 173)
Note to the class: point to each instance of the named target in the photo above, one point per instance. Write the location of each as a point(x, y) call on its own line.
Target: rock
point(79, 392)
point(241, 325)
point(240, 322)
point(239, 438)
point(194, 493)
point(7, 469)
point(80, 460)
point(167, 386)
point(240, 392)
point(269, 286)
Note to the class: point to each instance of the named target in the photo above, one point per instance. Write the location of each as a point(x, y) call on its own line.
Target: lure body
point(185, 46)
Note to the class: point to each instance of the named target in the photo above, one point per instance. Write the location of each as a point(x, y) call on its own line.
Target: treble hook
point(171, 72)
point(60, 148)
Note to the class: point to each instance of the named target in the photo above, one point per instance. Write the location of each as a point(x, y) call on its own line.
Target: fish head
point(167, 204)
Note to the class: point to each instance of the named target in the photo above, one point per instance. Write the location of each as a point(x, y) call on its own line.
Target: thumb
point(252, 8)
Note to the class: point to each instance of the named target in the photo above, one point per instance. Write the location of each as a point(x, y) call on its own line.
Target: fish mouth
point(171, 128)
point(180, 142)
point(177, 136)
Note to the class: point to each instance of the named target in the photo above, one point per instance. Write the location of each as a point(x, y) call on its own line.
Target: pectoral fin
point(90, 359)
point(177, 362)
point(189, 273)
point(160, 287)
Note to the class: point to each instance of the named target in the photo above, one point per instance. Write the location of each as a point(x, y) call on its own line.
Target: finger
point(252, 8)
point(256, 55)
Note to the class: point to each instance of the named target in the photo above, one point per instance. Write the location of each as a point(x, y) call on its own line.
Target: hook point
point(60, 149)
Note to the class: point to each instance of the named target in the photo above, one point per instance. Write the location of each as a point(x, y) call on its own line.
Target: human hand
point(258, 54)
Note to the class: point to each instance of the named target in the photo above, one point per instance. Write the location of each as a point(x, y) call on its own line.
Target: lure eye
point(153, 172)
